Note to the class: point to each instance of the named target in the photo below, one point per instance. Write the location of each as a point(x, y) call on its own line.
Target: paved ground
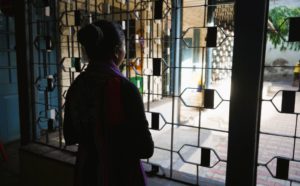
point(272, 121)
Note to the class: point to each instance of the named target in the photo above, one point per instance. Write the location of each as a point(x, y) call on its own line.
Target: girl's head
point(103, 41)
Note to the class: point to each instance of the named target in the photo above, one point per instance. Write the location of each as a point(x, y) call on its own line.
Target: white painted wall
point(272, 54)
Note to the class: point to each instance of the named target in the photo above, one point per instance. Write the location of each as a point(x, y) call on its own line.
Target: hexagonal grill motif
point(178, 55)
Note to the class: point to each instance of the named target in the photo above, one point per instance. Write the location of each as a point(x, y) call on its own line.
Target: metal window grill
point(7, 50)
point(9, 117)
point(179, 55)
point(279, 158)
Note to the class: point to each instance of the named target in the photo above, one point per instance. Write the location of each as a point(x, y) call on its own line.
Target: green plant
point(278, 17)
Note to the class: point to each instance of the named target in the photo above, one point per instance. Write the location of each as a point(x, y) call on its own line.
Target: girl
point(104, 114)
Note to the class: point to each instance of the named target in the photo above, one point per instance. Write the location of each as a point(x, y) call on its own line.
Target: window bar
point(31, 69)
point(113, 10)
point(8, 47)
point(175, 16)
point(67, 24)
point(38, 46)
point(247, 133)
point(59, 74)
point(46, 57)
point(128, 39)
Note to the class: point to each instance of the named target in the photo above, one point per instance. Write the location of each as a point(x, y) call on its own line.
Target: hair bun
point(90, 35)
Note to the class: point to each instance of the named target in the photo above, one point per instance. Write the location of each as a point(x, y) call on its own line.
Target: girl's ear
point(116, 53)
point(119, 54)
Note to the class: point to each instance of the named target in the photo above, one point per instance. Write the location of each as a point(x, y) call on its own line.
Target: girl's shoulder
point(129, 89)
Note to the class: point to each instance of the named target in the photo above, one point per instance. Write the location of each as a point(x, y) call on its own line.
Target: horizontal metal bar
point(8, 67)
point(39, 103)
point(204, 5)
point(197, 127)
point(279, 66)
point(7, 32)
point(156, 94)
point(279, 135)
point(7, 50)
point(15, 83)
point(171, 67)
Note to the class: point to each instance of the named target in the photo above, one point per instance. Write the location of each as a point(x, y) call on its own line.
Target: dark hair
point(100, 39)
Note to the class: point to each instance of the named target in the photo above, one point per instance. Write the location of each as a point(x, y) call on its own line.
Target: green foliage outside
point(277, 17)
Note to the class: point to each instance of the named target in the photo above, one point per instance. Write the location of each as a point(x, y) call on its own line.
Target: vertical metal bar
point(38, 45)
point(210, 22)
point(47, 54)
point(201, 81)
point(44, 53)
point(167, 76)
point(295, 137)
point(46, 105)
point(86, 3)
point(95, 10)
point(70, 76)
point(46, 108)
point(31, 68)
point(204, 49)
point(121, 11)
point(67, 24)
point(72, 43)
point(128, 38)
point(113, 10)
point(172, 82)
point(23, 71)
point(176, 37)
point(78, 48)
point(198, 140)
point(76, 4)
point(8, 47)
point(203, 58)
point(147, 39)
point(244, 115)
point(151, 50)
point(56, 5)
point(156, 40)
point(87, 13)
point(104, 12)
point(179, 60)
point(175, 61)
point(148, 95)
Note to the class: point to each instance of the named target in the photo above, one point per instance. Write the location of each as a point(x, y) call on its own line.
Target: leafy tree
point(278, 17)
